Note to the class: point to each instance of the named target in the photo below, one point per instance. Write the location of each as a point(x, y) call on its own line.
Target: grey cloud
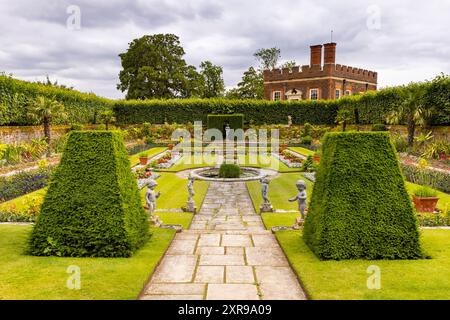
point(412, 43)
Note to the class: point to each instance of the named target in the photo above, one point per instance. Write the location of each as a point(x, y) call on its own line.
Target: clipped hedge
point(254, 111)
point(17, 95)
point(229, 170)
point(217, 121)
point(92, 207)
point(360, 207)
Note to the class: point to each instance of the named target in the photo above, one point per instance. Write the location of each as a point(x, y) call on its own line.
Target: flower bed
point(23, 182)
point(288, 158)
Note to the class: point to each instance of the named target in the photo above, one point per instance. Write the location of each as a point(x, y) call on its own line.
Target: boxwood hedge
point(360, 207)
point(92, 207)
point(17, 95)
point(254, 111)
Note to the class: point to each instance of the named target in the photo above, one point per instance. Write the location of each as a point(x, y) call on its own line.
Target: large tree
point(153, 67)
point(250, 87)
point(268, 58)
point(214, 85)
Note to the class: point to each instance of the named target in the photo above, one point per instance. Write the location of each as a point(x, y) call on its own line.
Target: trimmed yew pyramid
point(92, 206)
point(360, 207)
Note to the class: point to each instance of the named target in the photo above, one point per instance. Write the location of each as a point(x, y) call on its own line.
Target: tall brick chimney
point(316, 55)
point(329, 54)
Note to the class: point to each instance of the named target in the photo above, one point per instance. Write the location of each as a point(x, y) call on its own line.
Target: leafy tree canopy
point(153, 67)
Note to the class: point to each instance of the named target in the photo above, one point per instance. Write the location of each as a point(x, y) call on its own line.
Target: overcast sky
point(402, 40)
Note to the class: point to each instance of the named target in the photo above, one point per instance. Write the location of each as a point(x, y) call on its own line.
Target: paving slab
point(226, 254)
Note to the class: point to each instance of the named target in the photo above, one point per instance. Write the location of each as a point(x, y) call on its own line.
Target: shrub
point(307, 140)
point(76, 127)
point(23, 182)
point(92, 206)
point(360, 207)
point(229, 170)
point(379, 127)
point(218, 121)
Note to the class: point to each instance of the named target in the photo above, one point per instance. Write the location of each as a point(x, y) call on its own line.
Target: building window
point(276, 95)
point(348, 92)
point(338, 93)
point(314, 94)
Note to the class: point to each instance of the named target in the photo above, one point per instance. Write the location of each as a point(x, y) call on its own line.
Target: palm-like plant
point(343, 117)
point(45, 110)
point(107, 117)
point(411, 110)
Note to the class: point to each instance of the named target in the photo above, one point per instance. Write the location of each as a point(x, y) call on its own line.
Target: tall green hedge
point(217, 121)
point(360, 207)
point(92, 207)
point(17, 95)
point(254, 111)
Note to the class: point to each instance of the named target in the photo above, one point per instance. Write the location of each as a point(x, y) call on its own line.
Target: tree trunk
point(411, 130)
point(47, 134)
point(106, 125)
point(344, 125)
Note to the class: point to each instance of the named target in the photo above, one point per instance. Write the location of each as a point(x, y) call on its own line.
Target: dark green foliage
point(217, 121)
point(92, 207)
point(360, 207)
point(379, 127)
point(259, 111)
point(229, 170)
point(18, 96)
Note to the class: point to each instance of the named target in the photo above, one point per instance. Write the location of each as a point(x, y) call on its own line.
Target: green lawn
point(400, 279)
point(134, 159)
point(281, 188)
point(29, 277)
point(278, 219)
point(183, 218)
point(174, 192)
point(260, 161)
point(302, 151)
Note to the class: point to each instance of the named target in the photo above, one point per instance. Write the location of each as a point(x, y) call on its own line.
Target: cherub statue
point(190, 187)
point(151, 196)
point(265, 188)
point(300, 197)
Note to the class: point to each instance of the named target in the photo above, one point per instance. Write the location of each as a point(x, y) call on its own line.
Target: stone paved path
point(226, 254)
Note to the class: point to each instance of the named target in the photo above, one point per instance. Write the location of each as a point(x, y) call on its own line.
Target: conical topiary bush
point(92, 206)
point(360, 207)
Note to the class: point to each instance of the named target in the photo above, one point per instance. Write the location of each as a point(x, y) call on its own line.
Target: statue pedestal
point(191, 207)
point(155, 221)
point(266, 207)
point(299, 222)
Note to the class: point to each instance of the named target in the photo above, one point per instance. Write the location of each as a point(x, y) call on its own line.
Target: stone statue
point(266, 206)
point(227, 131)
point(300, 197)
point(190, 187)
point(190, 204)
point(151, 196)
point(289, 121)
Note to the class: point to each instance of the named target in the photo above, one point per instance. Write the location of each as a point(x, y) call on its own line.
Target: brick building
point(317, 81)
